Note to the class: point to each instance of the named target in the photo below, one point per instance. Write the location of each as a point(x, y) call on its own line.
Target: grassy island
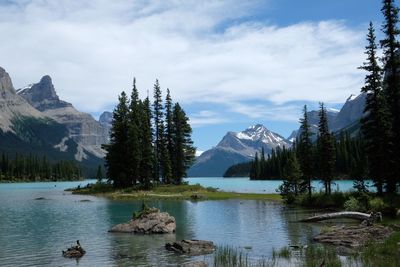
point(183, 191)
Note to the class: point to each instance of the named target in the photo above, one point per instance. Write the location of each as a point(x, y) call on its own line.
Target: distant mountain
point(27, 130)
point(88, 133)
point(345, 119)
point(236, 148)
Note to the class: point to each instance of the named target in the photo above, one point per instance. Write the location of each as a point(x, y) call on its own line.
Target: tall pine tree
point(134, 124)
point(184, 152)
point(390, 47)
point(147, 162)
point(305, 151)
point(376, 124)
point(116, 161)
point(325, 151)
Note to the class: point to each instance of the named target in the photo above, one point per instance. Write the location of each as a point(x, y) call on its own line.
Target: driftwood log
point(372, 217)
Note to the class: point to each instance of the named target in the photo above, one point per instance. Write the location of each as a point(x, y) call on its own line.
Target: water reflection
point(33, 232)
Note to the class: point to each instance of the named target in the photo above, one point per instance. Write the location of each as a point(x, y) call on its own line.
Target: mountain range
point(34, 120)
point(240, 147)
point(236, 148)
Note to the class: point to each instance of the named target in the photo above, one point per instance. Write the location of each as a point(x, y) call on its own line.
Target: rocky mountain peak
point(260, 133)
point(6, 86)
point(42, 95)
point(106, 118)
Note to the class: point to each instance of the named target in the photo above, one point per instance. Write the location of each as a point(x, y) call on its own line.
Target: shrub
point(352, 204)
point(377, 204)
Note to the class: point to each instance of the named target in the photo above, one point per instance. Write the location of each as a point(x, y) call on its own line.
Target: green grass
point(284, 253)
point(383, 254)
point(184, 191)
point(318, 255)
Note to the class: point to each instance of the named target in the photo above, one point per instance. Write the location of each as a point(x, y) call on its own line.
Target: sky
point(229, 63)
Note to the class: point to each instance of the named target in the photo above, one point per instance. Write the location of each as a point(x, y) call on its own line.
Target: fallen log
point(345, 214)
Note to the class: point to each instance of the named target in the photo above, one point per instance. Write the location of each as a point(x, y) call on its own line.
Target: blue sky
point(230, 63)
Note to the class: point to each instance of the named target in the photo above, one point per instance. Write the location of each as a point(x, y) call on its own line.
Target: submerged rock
point(151, 221)
point(353, 236)
point(191, 247)
point(195, 264)
point(74, 251)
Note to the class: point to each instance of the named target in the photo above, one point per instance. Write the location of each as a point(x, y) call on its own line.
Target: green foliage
point(377, 204)
point(317, 255)
point(141, 154)
point(384, 254)
point(352, 204)
point(325, 152)
point(321, 200)
point(183, 151)
point(34, 168)
point(238, 170)
point(292, 183)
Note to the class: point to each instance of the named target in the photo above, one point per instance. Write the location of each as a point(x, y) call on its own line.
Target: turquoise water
point(33, 232)
point(245, 185)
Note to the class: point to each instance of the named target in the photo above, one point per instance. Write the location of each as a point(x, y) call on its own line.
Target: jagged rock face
point(42, 95)
point(106, 118)
point(236, 148)
point(352, 111)
point(82, 127)
point(348, 116)
point(11, 104)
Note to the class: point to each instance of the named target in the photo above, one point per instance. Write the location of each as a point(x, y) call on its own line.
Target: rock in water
point(74, 251)
point(191, 247)
point(353, 236)
point(153, 222)
point(195, 264)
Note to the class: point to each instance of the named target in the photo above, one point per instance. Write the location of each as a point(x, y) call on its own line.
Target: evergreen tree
point(291, 185)
point(390, 47)
point(117, 162)
point(376, 124)
point(134, 124)
point(325, 151)
point(99, 174)
point(162, 160)
point(147, 162)
point(184, 152)
point(168, 137)
point(305, 151)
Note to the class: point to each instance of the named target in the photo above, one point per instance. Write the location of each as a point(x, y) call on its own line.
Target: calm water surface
point(33, 232)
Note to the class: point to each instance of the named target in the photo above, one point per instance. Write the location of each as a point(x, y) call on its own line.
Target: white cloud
point(93, 48)
point(206, 117)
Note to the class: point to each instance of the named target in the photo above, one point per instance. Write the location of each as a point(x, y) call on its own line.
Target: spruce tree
point(325, 151)
point(134, 124)
point(117, 162)
point(168, 137)
point(375, 123)
point(291, 185)
point(305, 151)
point(99, 174)
point(147, 162)
point(390, 47)
point(162, 160)
point(184, 152)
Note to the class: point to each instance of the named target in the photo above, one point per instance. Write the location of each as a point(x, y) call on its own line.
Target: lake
point(34, 231)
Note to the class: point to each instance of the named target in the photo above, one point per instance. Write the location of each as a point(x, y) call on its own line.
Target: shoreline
point(170, 192)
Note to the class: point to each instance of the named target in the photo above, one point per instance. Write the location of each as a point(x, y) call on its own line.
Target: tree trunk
point(344, 214)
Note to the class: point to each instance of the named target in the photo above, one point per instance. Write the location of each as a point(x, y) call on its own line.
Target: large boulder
point(191, 247)
point(151, 221)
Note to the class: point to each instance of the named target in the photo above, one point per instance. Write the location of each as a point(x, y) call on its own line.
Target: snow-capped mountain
point(236, 148)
